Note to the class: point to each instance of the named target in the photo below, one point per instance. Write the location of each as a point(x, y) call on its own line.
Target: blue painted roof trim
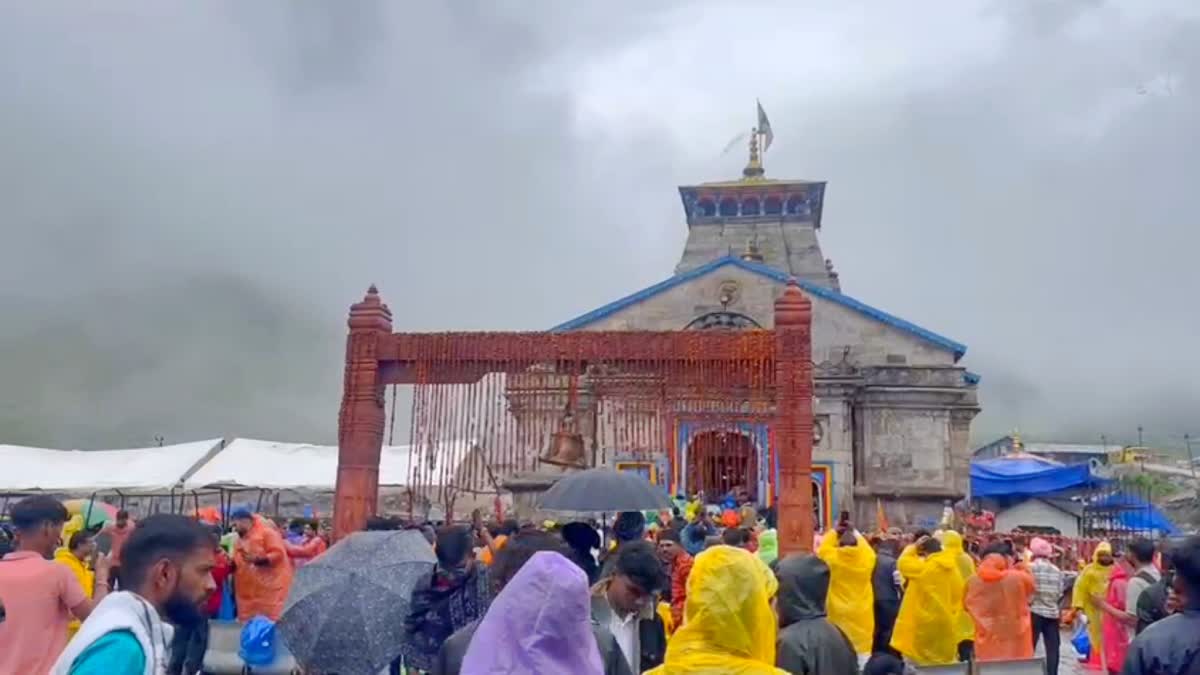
point(972, 378)
point(957, 348)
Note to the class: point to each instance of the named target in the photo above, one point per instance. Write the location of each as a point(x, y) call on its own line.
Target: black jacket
point(450, 657)
point(887, 600)
point(1152, 603)
point(1169, 647)
point(808, 644)
point(652, 634)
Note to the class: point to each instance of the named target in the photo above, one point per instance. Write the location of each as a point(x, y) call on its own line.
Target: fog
point(191, 194)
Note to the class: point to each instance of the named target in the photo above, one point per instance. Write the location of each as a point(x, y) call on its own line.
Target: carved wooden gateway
point(618, 397)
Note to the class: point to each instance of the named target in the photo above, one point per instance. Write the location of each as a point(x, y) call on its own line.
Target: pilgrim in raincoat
point(768, 546)
point(728, 624)
point(85, 576)
point(998, 600)
point(1092, 583)
point(263, 574)
point(1116, 634)
point(541, 622)
point(851, 604)
point(953, 541)
point(926, 629)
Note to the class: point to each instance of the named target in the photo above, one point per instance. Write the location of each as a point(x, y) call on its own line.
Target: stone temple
point(893, 403)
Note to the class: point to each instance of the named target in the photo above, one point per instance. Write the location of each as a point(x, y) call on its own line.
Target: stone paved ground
point(1068, 662)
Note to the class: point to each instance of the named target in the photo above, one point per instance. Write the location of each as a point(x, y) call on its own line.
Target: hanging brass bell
point(566, 449)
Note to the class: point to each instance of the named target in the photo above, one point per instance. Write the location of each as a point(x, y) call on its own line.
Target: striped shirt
point(1048, 588)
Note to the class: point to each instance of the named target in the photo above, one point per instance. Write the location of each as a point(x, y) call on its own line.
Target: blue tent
point(1026, 476)
point(1137, 514)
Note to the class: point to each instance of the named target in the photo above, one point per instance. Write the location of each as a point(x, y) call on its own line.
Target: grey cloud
point(193, 193)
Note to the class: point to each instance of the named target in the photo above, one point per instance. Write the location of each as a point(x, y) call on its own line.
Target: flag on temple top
point(881, 516)
point(764, 127)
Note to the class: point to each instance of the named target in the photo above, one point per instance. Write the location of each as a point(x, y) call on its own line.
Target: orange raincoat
point(261, 589)
point(926, 631)
point(998, 600)
point(851, 603)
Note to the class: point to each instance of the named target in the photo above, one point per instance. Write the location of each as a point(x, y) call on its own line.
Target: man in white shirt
point(623, 602)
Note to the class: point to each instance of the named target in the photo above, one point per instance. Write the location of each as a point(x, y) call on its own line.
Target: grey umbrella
point(346, 609)
point(604, 490)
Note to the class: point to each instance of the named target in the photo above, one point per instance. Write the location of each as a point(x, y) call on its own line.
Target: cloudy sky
point(192, 193)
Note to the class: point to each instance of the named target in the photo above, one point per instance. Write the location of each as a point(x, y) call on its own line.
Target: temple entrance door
point(720, 461)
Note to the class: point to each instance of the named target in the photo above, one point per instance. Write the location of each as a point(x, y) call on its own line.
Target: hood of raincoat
point(1102, 547)
point(953, 542)
point(768, 546)
point(728, 623)
point(993, 567)
point(540, 623)
point(803, 588)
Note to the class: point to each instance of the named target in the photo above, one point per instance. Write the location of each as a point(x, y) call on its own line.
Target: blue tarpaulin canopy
point(1137, 514)
point(1026, 476)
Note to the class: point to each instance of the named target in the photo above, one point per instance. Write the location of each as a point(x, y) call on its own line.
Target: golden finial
point(752, 254)
point(754, 168)
point(1017, 445)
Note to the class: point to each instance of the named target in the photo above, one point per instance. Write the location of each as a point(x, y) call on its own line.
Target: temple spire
point(754, 168)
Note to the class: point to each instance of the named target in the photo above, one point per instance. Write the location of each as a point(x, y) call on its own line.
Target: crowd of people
point(689, 591)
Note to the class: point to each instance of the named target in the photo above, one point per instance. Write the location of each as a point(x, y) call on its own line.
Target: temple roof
point(957, 348)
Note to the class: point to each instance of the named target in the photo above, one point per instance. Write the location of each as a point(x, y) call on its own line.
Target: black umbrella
point(604, 490)
point(346, 609)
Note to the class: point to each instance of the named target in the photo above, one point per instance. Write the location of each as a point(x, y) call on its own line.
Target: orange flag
point(881, 516)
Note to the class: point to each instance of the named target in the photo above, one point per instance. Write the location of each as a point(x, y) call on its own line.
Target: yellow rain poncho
point(728, 624)
point(86, 577)
point(953, 541)
point(851, 603)
point(926, 629)
point(1092, 582)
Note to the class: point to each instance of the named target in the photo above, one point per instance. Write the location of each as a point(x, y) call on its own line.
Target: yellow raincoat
point(86, 577)
point(926, 629)
point(1092, 582)
point(728, 625)
point(953, 541)
point(851, 603)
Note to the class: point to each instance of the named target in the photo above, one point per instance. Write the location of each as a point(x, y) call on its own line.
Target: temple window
point(706, 208)
point(729, 207)
point(797, 205)
point(773, 206)
point(750, 207)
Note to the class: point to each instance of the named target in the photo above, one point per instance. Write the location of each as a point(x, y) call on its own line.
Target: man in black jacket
point(885, 584)
point(519, 549)
point(1171, 646)
point(807, 642)
point(624, 602)
point(1152, 603)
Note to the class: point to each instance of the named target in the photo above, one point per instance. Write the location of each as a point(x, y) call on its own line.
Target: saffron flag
point(764, 127)
point(881, 516)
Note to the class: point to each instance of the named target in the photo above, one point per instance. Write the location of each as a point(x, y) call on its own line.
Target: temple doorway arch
point(720, 461)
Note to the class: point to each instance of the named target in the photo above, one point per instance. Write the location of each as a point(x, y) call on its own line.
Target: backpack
point(258, 642)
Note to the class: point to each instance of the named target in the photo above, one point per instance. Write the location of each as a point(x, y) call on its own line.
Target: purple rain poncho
point(539, 623)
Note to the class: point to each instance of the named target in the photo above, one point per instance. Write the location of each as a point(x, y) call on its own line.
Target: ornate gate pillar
point(362, 417)
point(794, 419)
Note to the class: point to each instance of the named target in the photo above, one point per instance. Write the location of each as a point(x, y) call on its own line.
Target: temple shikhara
point(747, 371)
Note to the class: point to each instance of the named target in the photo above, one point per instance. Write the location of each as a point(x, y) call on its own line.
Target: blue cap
point(241, 512)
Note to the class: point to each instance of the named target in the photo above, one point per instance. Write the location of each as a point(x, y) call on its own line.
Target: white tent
point(134, 470)
point(250, 463)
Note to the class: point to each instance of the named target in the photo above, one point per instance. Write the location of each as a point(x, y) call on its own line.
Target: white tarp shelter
point(268, 465)
point(152, 469)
